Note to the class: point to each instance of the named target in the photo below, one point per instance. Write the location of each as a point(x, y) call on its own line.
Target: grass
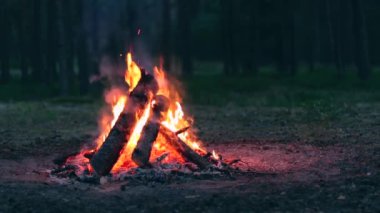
point(24, 91)
point(268, 88)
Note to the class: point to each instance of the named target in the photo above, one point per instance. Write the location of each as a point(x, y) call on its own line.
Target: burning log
point(108, 154)
point(142, 151)
point(182, 130)
point(182, 148)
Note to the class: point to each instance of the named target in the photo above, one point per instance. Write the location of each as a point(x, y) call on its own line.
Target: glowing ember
point(214, 155)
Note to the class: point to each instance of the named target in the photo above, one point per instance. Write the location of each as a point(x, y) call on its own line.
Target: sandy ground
point(295, 159)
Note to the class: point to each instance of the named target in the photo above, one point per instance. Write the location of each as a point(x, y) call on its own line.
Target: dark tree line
point(45, 41)
point(60, 43)
point(294, 33)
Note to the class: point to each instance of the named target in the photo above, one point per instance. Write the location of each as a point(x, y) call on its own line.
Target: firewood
point(182, 130)
point(141, 153)
point(183, 149)
point(108, 154)
point(89, 154)
point(61, 160)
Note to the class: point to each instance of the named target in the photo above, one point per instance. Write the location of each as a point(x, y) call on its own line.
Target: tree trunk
point(315, 41)
point(228, 36)
point(36, 50)
point(82, 50)
point(83, 65)
point(282, 38)
point(279, 50)
point(346, 32)
point(185, 43)
point(339, 38)
point(68, 23)
point(52, 53)
point(5, 41)
point(287, 38)
point(24, 46)
point(292, 38)
point(166, 35)
point(22, 30)
point(360, 40)
point(62, 49)
point(91, 7)
point(334, 35)
point(251, 55)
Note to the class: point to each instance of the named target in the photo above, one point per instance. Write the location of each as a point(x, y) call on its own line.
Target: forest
point(189, 106)
point(59, 45)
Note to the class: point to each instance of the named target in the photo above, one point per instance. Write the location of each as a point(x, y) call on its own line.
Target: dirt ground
point(296, 160)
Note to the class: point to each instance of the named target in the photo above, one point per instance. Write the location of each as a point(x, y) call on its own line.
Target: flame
point(175, 119)
point(118, 108)
point(133, 73)
point(116, 99)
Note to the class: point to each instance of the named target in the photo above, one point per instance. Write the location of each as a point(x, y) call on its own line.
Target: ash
point(158, 172)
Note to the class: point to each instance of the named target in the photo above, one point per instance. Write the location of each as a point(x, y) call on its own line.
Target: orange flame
point(133, 73)
point(116, 100)
point(118, 108)
point(176, 119)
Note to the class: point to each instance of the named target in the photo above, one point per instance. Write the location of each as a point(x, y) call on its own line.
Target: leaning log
point(183, 149)
point(141, 153)
point(108, 154)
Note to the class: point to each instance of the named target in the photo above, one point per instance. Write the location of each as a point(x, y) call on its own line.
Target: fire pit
point(146, 137)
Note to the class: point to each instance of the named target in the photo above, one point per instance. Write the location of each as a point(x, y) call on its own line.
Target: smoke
point(145, 44)
point(121, 27)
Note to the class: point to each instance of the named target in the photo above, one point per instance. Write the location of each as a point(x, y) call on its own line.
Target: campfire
point(147, 130)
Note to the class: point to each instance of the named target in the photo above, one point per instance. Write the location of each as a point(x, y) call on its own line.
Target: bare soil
point(295, 160)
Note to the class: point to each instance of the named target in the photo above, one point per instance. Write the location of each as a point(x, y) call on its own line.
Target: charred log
point(182, 130)
point(108, 154)
point(141, 153)
point(183, 149)
point(61, 160)
point(89, 154)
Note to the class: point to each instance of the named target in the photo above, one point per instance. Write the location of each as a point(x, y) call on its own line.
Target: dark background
point(285, 48)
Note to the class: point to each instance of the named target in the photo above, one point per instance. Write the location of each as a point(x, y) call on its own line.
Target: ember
point(148, 129)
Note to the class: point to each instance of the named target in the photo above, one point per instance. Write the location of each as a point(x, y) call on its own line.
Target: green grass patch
point(209, 87)
point(271, 89)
